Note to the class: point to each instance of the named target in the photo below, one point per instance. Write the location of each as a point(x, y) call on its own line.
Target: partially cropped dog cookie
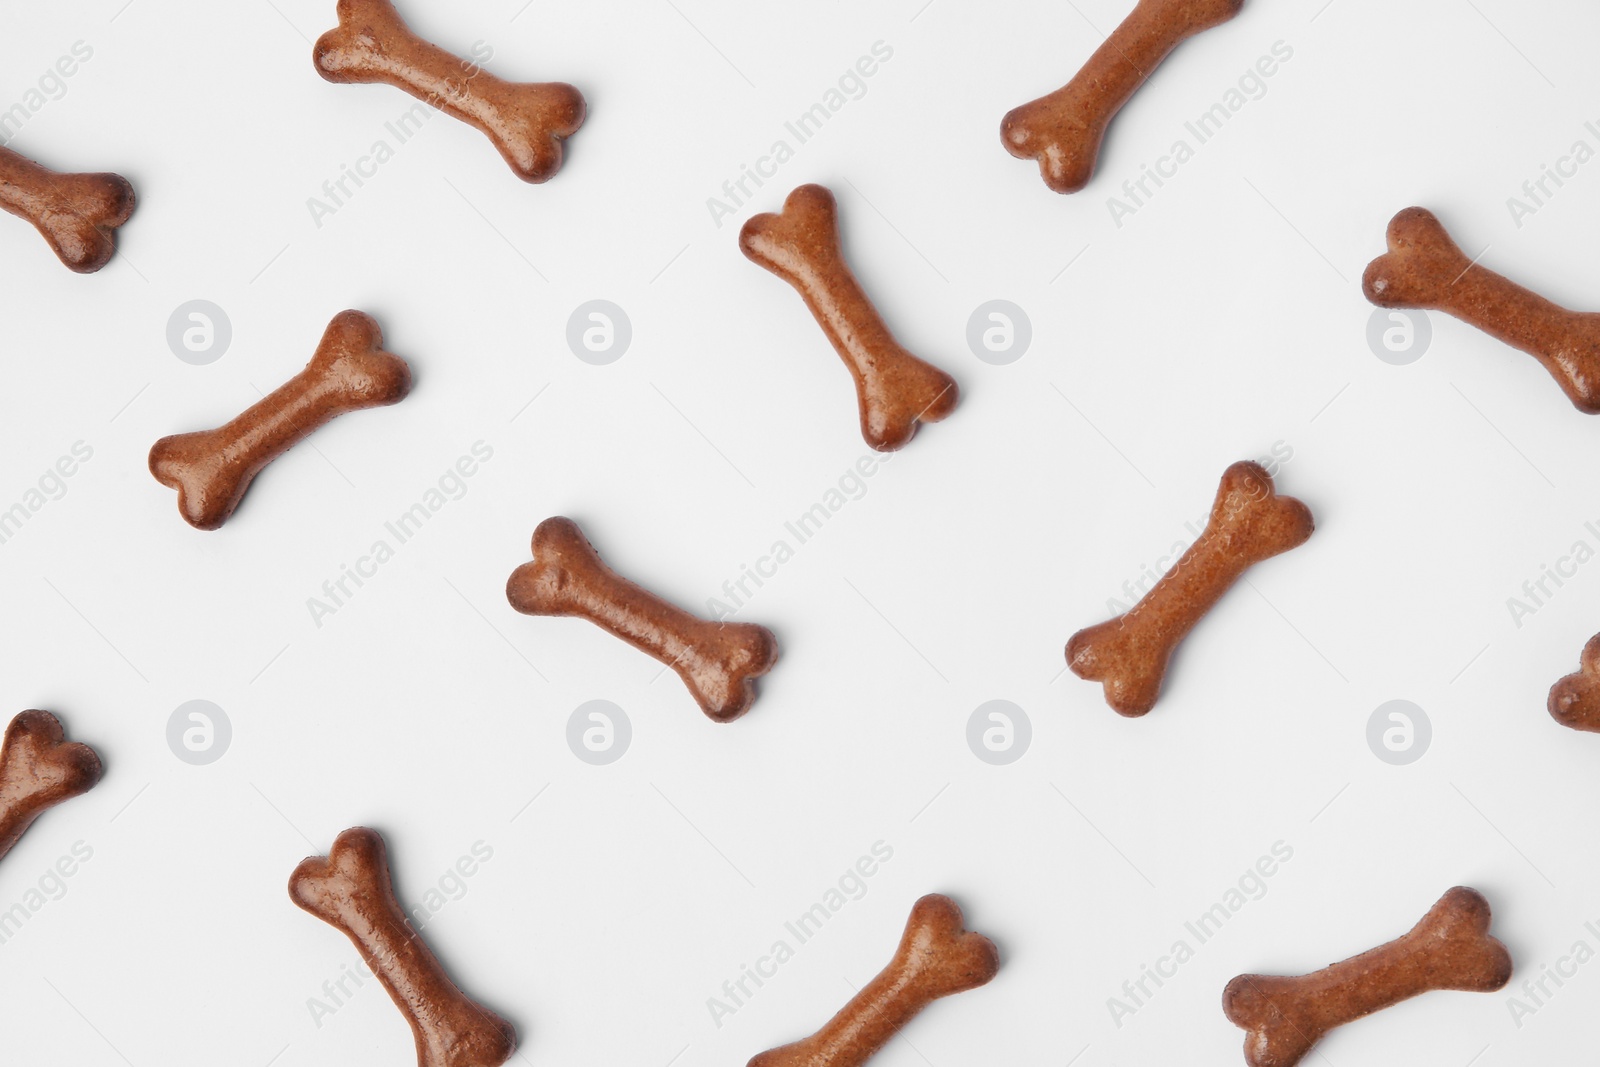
point(937, 957)
point(1063, 131)
point(718, 661)
point(1575, 699)
point(1425, 268)
point(1249, 523)
point(211, 469)
point(527, 121)
point(1449, 949)
point(350, 890)
point(78, 214)
point(895, 390)
point(39, 768)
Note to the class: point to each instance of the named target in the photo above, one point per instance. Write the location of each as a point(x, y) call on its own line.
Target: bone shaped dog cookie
point(718, 661)
point(78, 214)
point(895, 389)
point(526, 121)
point(350, 890)
point(936, 958)
point(211, 469)
point(1063, 130)
point(1425, 268)
point(1249, 523)
point(39, 768)
point(1449, 949)
point(1575, 699)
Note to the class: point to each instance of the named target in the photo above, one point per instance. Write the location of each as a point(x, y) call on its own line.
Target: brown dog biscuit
point(718, 661)
point(39, 768)
point(1063, 130)
point(936, 958)
point(1449, 949)
point(78, 214)
point(1575, 699)
point(895, 390)
point(211, 469)
point(1425, 268)
point(1249, 523)
point(527, 121)
point(350, 890)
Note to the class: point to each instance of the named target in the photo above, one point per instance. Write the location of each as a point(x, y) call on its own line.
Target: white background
point(1222, 318)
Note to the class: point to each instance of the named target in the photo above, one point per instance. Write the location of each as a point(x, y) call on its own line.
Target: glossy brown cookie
point(78, 214)
point(936, 957)
point(350, 890)
point(527, 121)
point(895, 390)
point(718, 661)
point(1575, 699)
point(1249, 522)
point(1449, 949)
point(211, 469)
point(1425, 268)
point(1063, 131)
point(39, 768)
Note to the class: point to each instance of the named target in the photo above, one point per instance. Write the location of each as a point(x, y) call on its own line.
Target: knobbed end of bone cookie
point(555, 582)
point(39, 768)
point(722, 677)
point(77, 214)
point(1129, 667)
point(799, 241)
point(907, 393)
point(84, 233)
point(1475, 962)
point(352, 50)
point(36, 752)
point(945, 956)
point(1422, 263)
point(196, 466)
point(1256, 520)
point(1279, 1029)
point(1190, 17)
point(352, 368)
point(1575, 699)
point(1067, 148)
point(532, 131)
point(355, 872)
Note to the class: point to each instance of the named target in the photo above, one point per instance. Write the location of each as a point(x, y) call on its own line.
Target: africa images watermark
point(1251, 886)
point(49, 86)
point(850, 486)
point(1534, 994)
point(851, 885)
point(50, 886)
point(337, 592)
point(337, 191)
point(851, 85)
point(1538, 590)
point(1537, 192)
point(1252, 85)
point(49, 487)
